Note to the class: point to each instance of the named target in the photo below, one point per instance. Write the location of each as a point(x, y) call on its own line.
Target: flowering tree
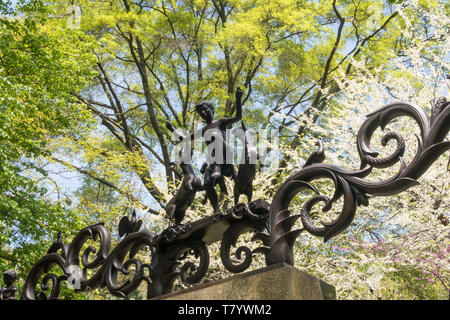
point(309, 71)
point(397, 247)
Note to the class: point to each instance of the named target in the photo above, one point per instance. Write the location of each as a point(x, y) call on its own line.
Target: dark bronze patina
point(271, 223)
point(215, 171)
point(10, 290)
point(168, 256)
point(243, 183)
point(350, 185)
point(177, 206)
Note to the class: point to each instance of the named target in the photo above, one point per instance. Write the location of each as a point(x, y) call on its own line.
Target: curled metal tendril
point(42, 268)
point(130, 246)
point(129, 285)
point(168, 264)
point(371, 159)
point(191, 273)
point(305, 215)
point(55, 286)
point(242, 253)
point(170, 250)
point(108, 264)
point(351, 184)
point(97, 232)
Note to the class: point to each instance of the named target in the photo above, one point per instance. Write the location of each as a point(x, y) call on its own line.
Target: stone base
point(277, 282)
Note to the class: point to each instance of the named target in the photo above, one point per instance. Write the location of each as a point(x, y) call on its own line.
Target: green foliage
point(89, 91)
point(407, 283)
point(35, 105)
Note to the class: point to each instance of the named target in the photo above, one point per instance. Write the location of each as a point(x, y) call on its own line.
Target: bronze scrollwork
point(271, 223)
point(350, 185)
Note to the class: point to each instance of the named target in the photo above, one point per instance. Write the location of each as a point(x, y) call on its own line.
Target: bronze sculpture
point(243, 183)
point(219, 181)
point(215, 170)
point(8, 293)
point(317, 156)
point(272, 223)
point(183, 198)
point(350, 184)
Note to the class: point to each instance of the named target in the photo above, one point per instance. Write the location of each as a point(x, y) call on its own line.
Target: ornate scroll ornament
point(108, 265)
point(167, 259)
point(175, 244)
point(350, 185)
point(246, 221)
point(171, 252)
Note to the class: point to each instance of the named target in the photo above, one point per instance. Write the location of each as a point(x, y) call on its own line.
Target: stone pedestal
point(277, 282)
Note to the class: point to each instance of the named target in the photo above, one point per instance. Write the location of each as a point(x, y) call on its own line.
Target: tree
point(36, 105)
point(309, 69)
point(397, 247)
point(156, 59)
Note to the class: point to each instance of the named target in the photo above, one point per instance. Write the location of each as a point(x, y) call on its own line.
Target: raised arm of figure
point(238, 115)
